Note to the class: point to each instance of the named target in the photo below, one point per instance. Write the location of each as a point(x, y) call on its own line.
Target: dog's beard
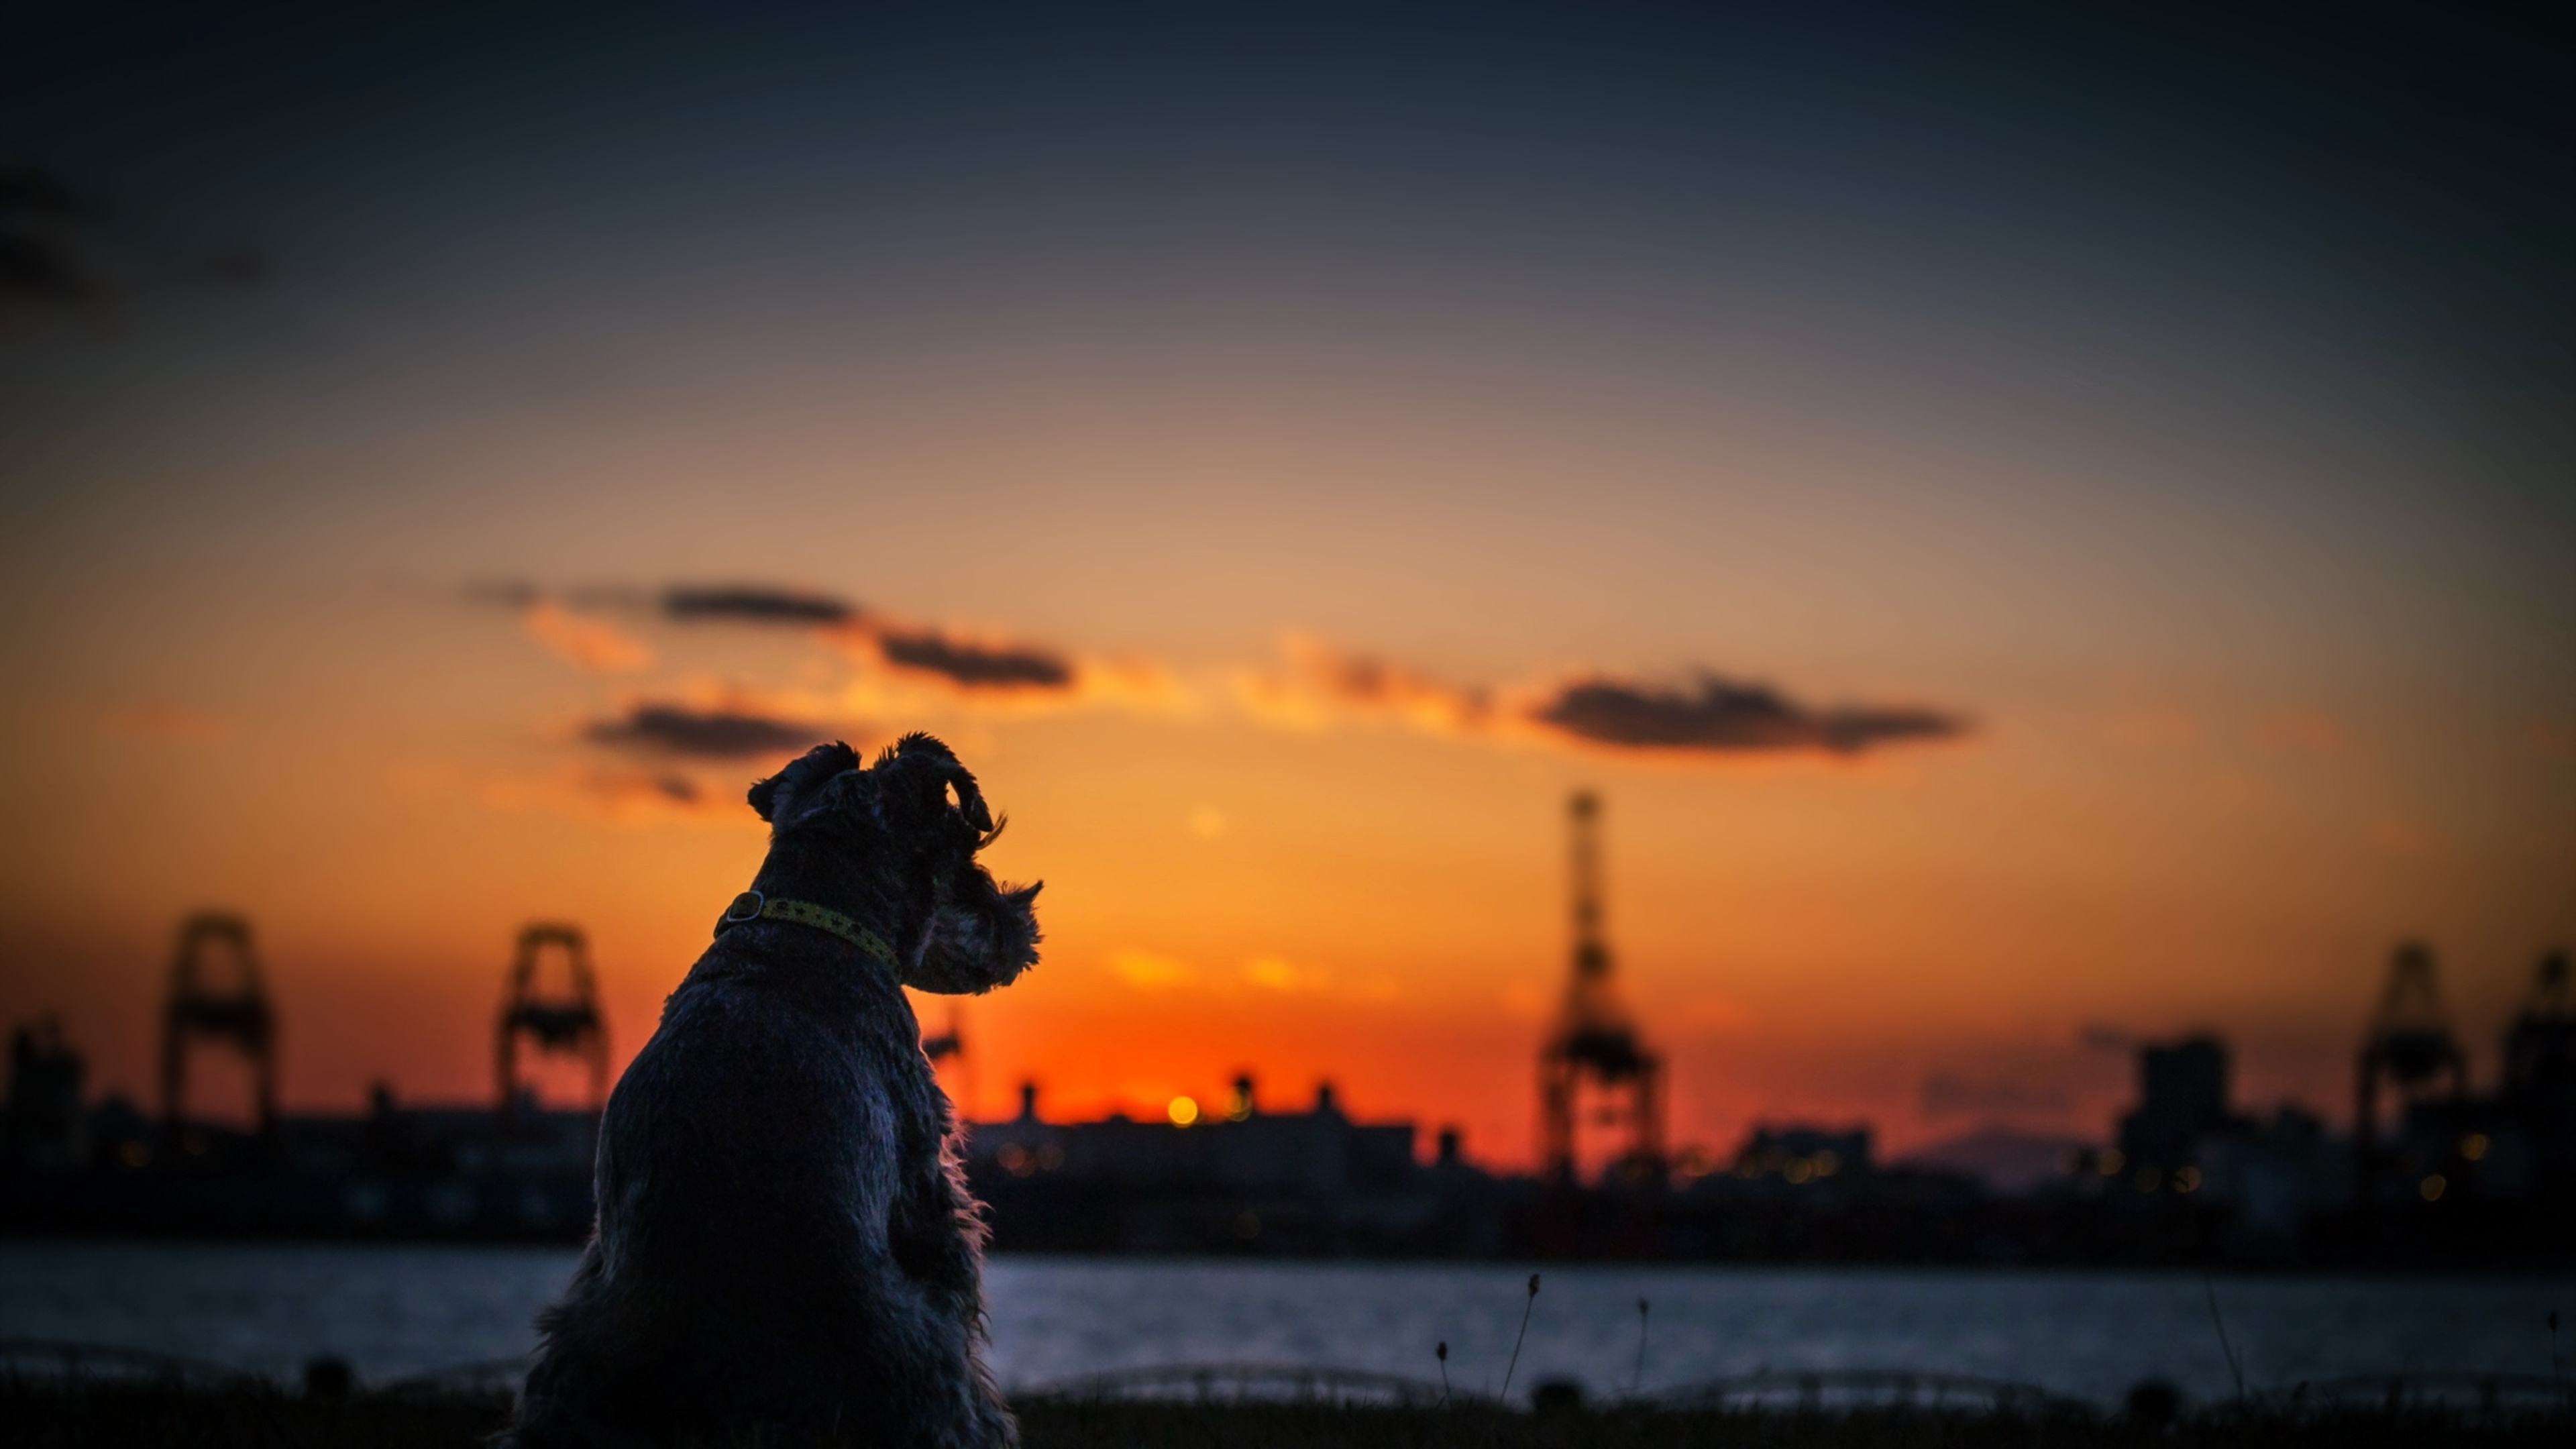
point(970, 949)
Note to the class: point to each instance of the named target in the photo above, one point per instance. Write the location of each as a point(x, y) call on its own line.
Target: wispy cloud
point(968, 663)
point(903, 668)
point(1720, 715)
point(42, 248)
point(753, 604)
point(641, 795)
point(964, 661)
point(591, 643)
point(1318, 686)
point(52, 253)
point(710, 734)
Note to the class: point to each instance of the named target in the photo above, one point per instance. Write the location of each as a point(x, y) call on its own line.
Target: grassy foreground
point(46, 1416)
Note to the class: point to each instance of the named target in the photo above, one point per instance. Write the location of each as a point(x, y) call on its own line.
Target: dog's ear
point(978, 935)
point(981, 936)
point(789, 793)
point(917, 773)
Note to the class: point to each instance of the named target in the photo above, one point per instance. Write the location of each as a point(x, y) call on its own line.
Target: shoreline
point(75, 1416)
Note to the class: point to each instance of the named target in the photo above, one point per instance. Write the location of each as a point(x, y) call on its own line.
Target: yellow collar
point(756, 906)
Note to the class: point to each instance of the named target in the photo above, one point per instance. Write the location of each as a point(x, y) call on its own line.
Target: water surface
point(400, 1310)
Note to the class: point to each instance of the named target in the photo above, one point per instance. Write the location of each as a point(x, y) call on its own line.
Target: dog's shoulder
point(772, 1008)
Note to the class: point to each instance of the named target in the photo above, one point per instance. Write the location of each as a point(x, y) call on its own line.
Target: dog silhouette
point(786, 1252)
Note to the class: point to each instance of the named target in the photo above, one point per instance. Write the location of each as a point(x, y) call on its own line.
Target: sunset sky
point(2042, 531)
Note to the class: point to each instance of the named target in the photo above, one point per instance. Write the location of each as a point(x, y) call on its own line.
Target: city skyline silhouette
point(2043, 530)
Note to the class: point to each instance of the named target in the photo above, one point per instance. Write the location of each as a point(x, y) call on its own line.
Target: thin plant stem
point(2236, 1370)
point(1527, 1305)
point(1639, 1376)
point(1443, 1352)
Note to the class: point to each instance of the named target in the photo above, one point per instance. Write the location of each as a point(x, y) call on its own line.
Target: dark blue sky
point(2180, 395)
point(2373, 193)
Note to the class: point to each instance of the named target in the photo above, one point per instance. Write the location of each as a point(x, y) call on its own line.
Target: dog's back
point(784, 1243)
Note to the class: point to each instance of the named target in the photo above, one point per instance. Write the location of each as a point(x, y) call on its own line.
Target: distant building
point(1317, 1153)
point(1237, 1177)
point(2540, 1081)
point(2279, 1180)
point(45, 1122)
point(2182, 1102)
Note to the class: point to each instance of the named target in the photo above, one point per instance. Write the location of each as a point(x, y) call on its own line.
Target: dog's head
point(914, 821)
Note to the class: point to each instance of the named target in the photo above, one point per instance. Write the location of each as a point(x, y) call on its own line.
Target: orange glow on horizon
point(1941, 756)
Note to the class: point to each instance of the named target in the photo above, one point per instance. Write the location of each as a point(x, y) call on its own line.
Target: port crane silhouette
point(1594, 1042)
point(237, 1014)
